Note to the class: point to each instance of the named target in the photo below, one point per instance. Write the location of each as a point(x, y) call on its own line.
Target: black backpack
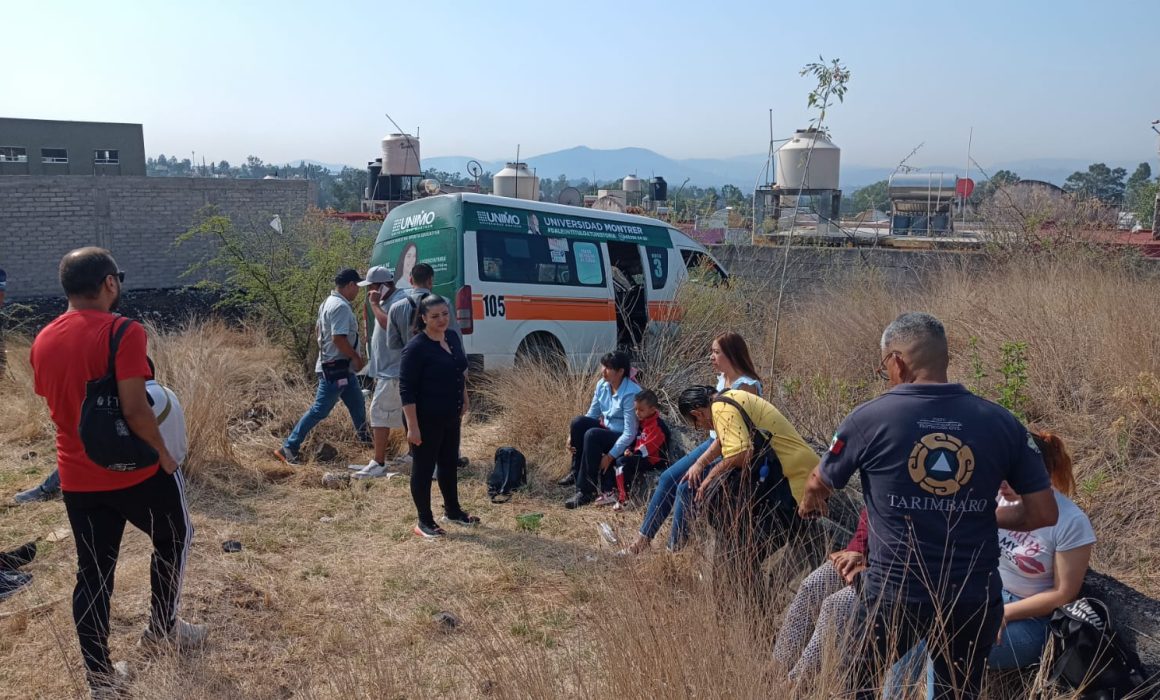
point(108, 440)
point(510, 473)
point(414, 301)
point(1089, 655)
point(765, 495)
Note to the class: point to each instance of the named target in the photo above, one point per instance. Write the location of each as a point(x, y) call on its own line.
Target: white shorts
point(386, 404)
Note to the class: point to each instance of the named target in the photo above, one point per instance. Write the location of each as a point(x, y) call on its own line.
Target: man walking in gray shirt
point(386, 406)
point(338, 361)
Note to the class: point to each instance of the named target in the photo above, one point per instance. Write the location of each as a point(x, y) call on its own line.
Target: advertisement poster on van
point(420, 234)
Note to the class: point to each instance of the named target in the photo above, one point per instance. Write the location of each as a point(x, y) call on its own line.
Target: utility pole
point(1156, 202)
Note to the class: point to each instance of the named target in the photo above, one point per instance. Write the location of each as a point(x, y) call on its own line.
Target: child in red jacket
point(644, 455)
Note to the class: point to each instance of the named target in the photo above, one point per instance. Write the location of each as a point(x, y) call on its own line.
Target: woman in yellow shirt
point(744, 543)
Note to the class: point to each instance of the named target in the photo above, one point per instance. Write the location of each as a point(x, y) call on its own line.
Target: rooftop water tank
point(401, 155)
point(374, 169)
point(631, 184)
point(516, 181)
point(922, 187)
point(659, 189)
point(821, 173)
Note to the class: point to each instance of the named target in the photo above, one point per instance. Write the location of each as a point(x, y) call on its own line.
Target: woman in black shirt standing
point(433, 387)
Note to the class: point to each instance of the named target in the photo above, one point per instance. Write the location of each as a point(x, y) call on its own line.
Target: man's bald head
point(83, 271)
point(921, 339)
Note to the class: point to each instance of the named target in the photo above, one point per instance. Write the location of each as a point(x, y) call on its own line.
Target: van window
point(701, 268)
point(658, 265)
point(525, 259)
point(589, 268)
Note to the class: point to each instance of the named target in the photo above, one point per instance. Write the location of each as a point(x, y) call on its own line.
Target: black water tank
point(658, 189)
point(373, 171)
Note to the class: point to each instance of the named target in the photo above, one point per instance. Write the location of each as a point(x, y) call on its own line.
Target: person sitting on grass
point(822, 606)
point(729, 356)
point(747, 531)
point(607, 429)
point(645, 455)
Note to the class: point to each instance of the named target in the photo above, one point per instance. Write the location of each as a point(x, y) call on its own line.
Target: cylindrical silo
point(808, 161)
point(516, 181)
point(401, 155)
point(631, 184)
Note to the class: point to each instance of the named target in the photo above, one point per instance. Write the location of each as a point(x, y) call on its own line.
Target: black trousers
point(632, 465)
point(157, 507)
point(440, 449)
point(958, 638)
point(591, 443)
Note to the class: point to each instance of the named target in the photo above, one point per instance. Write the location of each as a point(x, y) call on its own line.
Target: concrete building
point(47, 147)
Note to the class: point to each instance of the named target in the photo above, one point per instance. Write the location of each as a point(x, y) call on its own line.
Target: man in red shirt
point(66, 355)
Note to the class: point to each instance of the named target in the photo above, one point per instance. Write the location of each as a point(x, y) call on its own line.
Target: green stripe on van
point(493, 218)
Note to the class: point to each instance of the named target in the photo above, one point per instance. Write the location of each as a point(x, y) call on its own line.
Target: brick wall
point(137, 218)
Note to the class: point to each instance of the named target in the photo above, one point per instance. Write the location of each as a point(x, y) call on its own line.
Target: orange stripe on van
point(665, 311)
point(526, 308)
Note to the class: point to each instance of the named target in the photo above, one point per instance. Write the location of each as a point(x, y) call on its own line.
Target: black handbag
point(759, 493)
point(108, 440)
point(336, 370)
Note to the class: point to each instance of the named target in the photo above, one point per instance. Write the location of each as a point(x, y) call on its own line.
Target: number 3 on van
point(493, 306)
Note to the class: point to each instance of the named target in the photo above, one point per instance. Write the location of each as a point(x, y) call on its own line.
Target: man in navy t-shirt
point(931, 456)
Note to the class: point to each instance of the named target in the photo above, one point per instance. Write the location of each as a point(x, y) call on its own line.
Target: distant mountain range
point(742, 171)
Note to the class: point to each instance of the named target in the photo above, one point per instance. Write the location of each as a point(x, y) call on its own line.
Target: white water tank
point(631, 184)
point(516, 181)
point(401, 155)
point(823, 162)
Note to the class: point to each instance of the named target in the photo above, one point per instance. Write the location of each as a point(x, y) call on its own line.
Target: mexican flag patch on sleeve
point(836, 445)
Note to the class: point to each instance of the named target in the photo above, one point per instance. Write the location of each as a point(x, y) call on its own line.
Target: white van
point(532, 279)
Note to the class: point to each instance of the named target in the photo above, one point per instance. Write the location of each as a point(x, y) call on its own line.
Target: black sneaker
point(285, 454)
point(567, 480)
point(579, 499)
point(429, 532)
point(462, 519)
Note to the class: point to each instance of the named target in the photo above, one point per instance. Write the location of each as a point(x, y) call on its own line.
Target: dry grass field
point(332, 597)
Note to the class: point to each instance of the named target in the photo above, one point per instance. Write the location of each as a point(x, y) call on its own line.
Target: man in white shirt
point(338, 361)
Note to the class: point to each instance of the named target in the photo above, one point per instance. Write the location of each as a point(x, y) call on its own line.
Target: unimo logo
point(423, 218)
point(498, 218)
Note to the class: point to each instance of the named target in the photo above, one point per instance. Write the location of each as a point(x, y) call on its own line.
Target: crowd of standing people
point(968, 539)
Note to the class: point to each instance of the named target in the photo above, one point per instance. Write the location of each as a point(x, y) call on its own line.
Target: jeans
point(666, 496)
point(328, 394)
point(962, 638)
point(51, 483)
point(1022, 642)
point(591, 442)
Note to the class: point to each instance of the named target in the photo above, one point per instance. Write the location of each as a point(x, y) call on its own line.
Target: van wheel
point(542, 349)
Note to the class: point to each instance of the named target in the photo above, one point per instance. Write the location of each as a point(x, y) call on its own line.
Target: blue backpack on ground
point(510, 473)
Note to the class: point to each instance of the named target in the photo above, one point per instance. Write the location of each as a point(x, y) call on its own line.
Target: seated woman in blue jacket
point(607, 429)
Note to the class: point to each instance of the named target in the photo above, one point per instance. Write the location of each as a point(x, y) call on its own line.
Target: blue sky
point(288, 79)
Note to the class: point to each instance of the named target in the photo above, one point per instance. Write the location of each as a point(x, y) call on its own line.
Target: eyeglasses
point(882, 372)
point(119, 274)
